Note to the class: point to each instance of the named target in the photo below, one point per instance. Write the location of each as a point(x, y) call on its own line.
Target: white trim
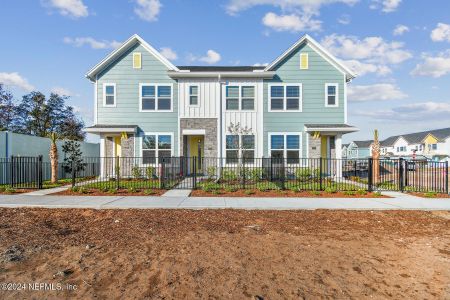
point(156, 134)
point(104, 94)
point(240, 149)
point(194, 132)
point(140, 60)
point(110, 130)
point(336, 85)
point(95, 100)
point(122, 49)
point(188, 93)
point(240, 85)
point(307, 60)
point(319, 49)
point(345, 101)
point(102, 154)
point(336, 129)
point(284, 134)
point(285, 85)
point(181, 74)
point(156, 85)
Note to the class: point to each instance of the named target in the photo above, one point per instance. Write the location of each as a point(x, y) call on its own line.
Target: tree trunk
point(54, 161)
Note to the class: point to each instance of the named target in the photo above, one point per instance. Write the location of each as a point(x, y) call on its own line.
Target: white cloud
point(386, 6)
point(410, 112)
point(211, 57)
point(296, 15)
point(169, 53)
point(16, 80)
point(371, 54)
point(434, 66)
point(441, 33)
point(290, 22)
point(344, 19)
point(400, 29)
point(148, 10)
point(93, 43)
point(260, 64)
point(375, 92)
point(61, 91)
point(71, 8)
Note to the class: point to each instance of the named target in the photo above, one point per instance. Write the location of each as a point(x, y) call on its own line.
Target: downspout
point(220, 127)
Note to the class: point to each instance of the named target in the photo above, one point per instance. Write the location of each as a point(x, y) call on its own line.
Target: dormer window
point(137, 60)
point(304, 61)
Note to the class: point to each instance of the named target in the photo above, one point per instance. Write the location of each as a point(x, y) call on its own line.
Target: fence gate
point(25, 172)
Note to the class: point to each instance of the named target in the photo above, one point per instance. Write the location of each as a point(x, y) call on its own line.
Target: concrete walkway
point(402, 201)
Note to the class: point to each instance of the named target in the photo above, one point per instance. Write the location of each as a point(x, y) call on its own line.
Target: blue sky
point(400, 49)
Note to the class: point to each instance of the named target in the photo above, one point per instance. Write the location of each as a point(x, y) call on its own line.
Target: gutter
point(266, 75)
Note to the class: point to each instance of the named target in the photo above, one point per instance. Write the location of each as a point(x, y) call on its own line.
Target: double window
point(285, 145)
point(155, 97)
point(109, 94)
point(401, 149)
point(240, 146)
point(432, 147)
point(193, 95)
point(156, 146)
point(240, 97)
point(331, 95)
point(286, 97)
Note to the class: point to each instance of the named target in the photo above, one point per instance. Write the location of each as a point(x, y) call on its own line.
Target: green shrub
point(377, 194)
point(136, 172)
point(210, 186)
point(131, 190)
point(249, 192)
point(113, 191)
point(430, 195)
point(295, 189)
point(230, 189)
point(216, 192)
point(229, 175)
point(330, 189)
point(104, 189)
point(10, 190)
point(150, 172)
point(211, 172)
point(316, 193)
point(2, 189)
point(75, 189)
point(149, 192)
point(262, 188)
point(254, 174)
point(303, 174)
point(349, 193)
point(362, 192)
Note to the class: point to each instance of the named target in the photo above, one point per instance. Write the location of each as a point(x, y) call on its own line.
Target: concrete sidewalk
point(401, 201)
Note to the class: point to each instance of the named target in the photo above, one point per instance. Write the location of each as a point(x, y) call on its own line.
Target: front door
point(196, 149)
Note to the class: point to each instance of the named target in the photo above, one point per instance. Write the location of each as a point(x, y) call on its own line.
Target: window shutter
point(304, 64)
point(137, 60)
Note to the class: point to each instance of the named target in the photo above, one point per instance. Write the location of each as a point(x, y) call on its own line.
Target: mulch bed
point(287, 194)
point(120, 192)
point(422, 195)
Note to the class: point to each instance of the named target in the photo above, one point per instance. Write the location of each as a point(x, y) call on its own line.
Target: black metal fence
point(312, 174)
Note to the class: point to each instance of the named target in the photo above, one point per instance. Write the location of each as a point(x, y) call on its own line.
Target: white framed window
point(432, 147)
point(137, 60)
point(155, 146)
point(285, 97)
point(193, 95)
point(240, 97)
point(155, 97)
point(239, 147)
point(331, 95)
point(286, 145)
point(304, 61)
point(109, 94)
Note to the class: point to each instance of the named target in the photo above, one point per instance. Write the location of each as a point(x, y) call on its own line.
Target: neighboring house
point(433, 144)
point(344, 150)
point(359, 149)
point(144, 106)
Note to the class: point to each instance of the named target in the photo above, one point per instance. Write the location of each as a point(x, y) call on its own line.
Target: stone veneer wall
point(314, 147)
point(126, 165)
point(210, 127)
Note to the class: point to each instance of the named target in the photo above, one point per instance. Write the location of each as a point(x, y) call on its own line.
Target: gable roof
point(122, 49)
point(417, 137)
point(363, 144)
point(306, 39)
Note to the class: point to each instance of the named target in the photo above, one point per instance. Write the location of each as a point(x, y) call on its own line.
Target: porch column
point(338, 146)
point(102, 155)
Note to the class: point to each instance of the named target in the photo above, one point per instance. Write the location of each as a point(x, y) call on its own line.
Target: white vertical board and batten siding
point(208, 98)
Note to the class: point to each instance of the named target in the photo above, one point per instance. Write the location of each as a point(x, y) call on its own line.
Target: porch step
point(177, 193)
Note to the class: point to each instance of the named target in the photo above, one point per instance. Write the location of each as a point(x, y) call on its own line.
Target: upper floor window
point(432, 146)
point(240, 97)
point(155, 97)
point(401, 149)
point(304, 63)
point(109, 94)
point(193, 95)
point(285, 145)
point(331, 95)
point(285, 97)
point(240, 147)
point(156, 146)
point(137, 60)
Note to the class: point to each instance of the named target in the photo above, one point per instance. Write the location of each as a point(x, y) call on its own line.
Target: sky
point(400, 49)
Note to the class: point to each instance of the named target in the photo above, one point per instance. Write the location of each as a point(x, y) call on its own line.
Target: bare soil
point(232, 254)
point(281, 193)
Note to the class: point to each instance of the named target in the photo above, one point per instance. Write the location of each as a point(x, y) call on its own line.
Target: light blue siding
point(313, 83)
point(127, 81)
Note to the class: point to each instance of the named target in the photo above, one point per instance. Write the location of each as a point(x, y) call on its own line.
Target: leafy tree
point(7, 109)
point(74, 157)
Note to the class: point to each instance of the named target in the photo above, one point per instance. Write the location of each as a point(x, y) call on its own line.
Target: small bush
point(303, 174)
point(2, 189)
point(253, 174)
point(230, 189)
point(262, 188)
point(131, 190)
point(316, 193)
point(149, 192)
point(350, 193)
point(75, 189)
point(104, 189)
point(211, 172)
point(249, 192)
point(377, 194)
point(210, 186)
point(362, 192)
point(136, 172)
point(216, 192)
point(296, 189)
point(229, 175)
point(10, 190)
point(150, 172)
point(430, 195)
point(113, 191)
point(330, 189)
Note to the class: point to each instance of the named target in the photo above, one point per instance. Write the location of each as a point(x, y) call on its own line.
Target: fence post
point(194, 185)
point(243, 172)
point(370, 174)
point(271, 169)
point(162, 171)
point(400, 174)
point(12, 172)
point(39, 172)
point(283, 173)
point(446, 177)
point(73, 173)
point(355, 172)
point(320, 173)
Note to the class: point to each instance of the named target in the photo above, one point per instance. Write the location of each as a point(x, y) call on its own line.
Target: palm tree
point(376, 157)
point(54, 157)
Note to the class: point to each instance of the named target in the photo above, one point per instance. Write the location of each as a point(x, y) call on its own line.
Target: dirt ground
point(231, 254)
